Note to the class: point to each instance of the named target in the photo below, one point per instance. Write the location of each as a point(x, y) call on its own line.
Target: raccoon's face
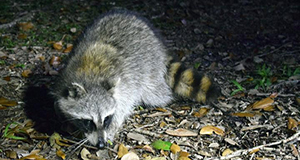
point(91, 112)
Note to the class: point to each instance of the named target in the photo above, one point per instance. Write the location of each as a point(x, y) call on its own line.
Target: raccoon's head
point(91, 111)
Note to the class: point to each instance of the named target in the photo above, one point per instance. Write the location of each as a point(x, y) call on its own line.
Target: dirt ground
point(251, 50)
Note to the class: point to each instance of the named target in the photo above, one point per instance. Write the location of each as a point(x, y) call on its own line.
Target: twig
point(279, 95)
point(27, 16)
point(295, 137)
point(274, 50)
point(147, 132)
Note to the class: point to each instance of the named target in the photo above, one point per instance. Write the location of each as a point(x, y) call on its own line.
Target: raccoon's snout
point(101, 143)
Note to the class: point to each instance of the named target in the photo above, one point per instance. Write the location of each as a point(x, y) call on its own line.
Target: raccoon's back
point(118, 44)
point(132, 36)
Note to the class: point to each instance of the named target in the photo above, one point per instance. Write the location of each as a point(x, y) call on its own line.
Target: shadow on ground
point(39, 107)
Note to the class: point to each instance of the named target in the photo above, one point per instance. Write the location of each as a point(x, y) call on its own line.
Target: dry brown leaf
point(56, 141)
point(22, 36)
point(158, 158)
point(227, 152)
point(158, 114)
point(269, 108)
point(174, 148)
point(181, 132)
point(264, 158)
point(183, 154)
point(210, 130)
point(11, 154)
point(273, 95)
point(7, 78)
point(58, 45)
point(61, 154)
point(204, 153)
point(26, 73)
point(263, 103)
point(161, 109)
point(130, 156)
point(298, 100)
point(42, 58)
point(243, 114)
point(60, 142)
point(7, 103)
point(185, 108)
point(2, 107)
point(294, 150)
point(55, 60)
point(254, 151)
point(33, 156)
point(292, 123)
point(202, 112)
point(148, 148)
point(162, 124)
point(122, 150)
point(69, 48)
point(25, 26)
point(164, 153)
point(84, 154)
point(184, 158)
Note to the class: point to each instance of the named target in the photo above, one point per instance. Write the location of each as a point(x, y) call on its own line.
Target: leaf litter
point(244, 126)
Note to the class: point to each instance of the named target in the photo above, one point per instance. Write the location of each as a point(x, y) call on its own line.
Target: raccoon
point(120, 62)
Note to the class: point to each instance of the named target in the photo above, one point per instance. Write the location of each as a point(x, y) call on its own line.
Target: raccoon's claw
point(101, 143)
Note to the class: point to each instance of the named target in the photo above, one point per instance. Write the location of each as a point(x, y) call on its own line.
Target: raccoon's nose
point(101, 143)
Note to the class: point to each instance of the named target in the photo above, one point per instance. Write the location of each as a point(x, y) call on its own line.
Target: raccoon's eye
point(107, 121)
point(90, 125)
point(85, 125)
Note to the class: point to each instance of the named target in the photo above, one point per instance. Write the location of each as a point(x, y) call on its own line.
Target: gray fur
point(132, 72)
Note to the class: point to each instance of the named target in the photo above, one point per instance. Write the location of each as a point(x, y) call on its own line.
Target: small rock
point(199, 47)
point(230, 141)
point(256, 59)
point(73, 30)
point(239, 67)
point(197, 31)
point(137, 136)
point(214, 145)
point(2, 54)
point(209, 43)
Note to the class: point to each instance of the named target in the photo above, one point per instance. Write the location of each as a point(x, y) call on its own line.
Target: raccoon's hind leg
point(157, 94)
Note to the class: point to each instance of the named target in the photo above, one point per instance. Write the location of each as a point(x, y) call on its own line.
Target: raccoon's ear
point(76, 91)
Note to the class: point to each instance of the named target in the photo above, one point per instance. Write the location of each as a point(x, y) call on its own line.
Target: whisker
point(80, 143)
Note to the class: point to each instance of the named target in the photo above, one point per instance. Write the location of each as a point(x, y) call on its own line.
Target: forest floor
point(251, 49)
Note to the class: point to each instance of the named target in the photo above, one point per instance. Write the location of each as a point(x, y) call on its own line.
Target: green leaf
point(141, 108)
point(16, 138)
point(289, 72)
point(6, 130)
point(197, 65)
point(237, 84)
point(10, 133)
point(297, 71)
point(20, 65)
point(2, 62)
point(109, 142)
point(240, 88)
point(164, 145)
point(235, 91)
